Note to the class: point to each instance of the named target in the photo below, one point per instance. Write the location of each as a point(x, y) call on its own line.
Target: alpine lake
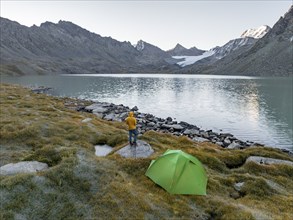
point(257, 109)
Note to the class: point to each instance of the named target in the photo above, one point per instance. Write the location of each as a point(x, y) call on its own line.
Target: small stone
point(10, 97)
point(200, 139)
point(123, 115)
point(151, 124)
point(165, 126)
point(235, 195)
point(177, 127)
point(194, 132)
point(99, 115)
point(227, 141)
point(238, 186)
point(220, 144)
point(205, 134)
point(86, 120)
point(226, 134)
point(109, 117)
point(184, 124)
point(135, 108)
point(234, 145)
point(169, 119)
point(187, 132)
point(97, 106)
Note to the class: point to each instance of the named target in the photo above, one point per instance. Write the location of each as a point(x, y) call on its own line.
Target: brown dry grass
point(80, 185)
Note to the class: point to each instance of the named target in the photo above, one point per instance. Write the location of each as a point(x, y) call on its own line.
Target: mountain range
point(67, 48)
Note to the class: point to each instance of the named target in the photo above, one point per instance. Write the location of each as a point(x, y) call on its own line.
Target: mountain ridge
point(70, 49)
point(64, 47)
point(270, 55)
point(179, 50)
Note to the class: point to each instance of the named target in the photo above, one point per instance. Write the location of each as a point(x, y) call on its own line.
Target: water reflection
point(252, 107)
point(257, 109)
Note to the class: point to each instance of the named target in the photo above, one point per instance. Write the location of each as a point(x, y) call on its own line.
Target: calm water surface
point(251, 108)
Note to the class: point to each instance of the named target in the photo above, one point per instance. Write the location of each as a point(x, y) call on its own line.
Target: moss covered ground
point(80, 185)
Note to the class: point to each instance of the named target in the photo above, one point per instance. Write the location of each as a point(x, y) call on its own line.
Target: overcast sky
point(204, 24)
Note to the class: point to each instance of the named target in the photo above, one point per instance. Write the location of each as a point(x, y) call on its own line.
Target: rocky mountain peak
point(179, 47)
point(62, 22)
point(47, 24)
point(70, 25)
point(140, 45)
point(151, 51)
point(179, 50)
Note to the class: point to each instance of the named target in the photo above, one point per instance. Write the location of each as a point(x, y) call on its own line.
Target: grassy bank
point(79, 185)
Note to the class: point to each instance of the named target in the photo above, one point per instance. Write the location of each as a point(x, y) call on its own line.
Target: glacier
point(188, 60)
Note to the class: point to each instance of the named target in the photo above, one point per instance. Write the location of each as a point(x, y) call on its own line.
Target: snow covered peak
point(256, 33)
point(140, 45)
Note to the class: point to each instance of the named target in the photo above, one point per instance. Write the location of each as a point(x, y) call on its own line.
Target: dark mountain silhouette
point(67, 48)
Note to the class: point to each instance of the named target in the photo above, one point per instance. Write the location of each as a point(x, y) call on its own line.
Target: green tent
point(178, 173)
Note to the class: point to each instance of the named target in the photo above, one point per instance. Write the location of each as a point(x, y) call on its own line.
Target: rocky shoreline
point(147, 122)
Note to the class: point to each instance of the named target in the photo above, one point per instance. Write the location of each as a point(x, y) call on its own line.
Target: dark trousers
point(134, 134)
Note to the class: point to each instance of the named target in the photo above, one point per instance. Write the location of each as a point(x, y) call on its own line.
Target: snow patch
point(188, 60)
point(256, 33)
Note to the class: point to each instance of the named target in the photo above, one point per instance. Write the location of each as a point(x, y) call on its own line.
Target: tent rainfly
point(178, 173)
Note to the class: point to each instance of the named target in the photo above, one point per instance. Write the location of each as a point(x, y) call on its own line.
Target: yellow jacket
point(131, 121)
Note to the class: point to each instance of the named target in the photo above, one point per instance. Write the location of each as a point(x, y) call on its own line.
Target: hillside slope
point(80, 185)
point(67, 48)
point(271, 55)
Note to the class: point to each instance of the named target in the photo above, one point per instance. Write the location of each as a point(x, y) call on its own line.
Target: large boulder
point(234, 145)
point(112, 117)
point(86, 120)
point(200, 139)
point(268, 161)
point(23, 167)
point(175, 127)
point(142, 150)
point(97, 108)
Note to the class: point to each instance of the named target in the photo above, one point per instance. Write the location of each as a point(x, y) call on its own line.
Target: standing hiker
point(131, 122)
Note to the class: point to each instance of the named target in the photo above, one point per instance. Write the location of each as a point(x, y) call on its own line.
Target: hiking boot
point(135, 144)
point(130, 143)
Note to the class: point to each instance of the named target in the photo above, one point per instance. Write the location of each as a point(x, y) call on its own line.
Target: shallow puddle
point(102, 150)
